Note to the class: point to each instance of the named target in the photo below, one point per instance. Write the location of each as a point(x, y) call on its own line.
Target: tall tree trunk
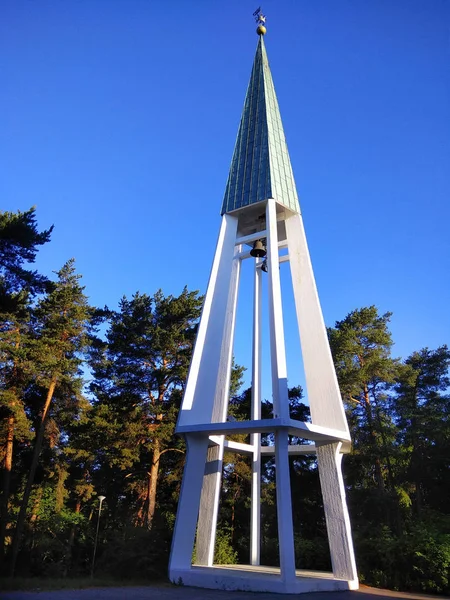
point(26, 496)
point(7, 466)
point(416, 467)
point(373, 436)
point(141, 514)
point(34, 516)
point(390, 471)
point(416, 461)
point(153, 483)
point(36, 505)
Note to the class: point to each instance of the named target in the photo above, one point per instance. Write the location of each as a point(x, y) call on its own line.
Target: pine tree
point(139, 377)
point(422, 406)
point(361, 347)
point(61, 322)
point(19, 243)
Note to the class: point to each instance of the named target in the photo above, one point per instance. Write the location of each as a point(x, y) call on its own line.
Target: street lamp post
point(101, 498)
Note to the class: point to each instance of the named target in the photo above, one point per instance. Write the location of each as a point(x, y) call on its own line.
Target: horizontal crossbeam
point(300, 429)
point(240, 448)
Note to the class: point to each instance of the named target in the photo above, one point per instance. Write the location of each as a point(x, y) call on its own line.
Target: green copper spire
point(261, 167)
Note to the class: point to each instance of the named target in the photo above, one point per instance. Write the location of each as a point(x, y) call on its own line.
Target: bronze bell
point(258, 250)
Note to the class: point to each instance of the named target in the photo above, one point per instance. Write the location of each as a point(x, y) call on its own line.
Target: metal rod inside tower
point(255, 438)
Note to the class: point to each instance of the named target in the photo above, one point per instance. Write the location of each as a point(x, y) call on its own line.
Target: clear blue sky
point(119, 119)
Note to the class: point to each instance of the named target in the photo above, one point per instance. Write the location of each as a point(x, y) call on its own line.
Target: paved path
point(185, 593)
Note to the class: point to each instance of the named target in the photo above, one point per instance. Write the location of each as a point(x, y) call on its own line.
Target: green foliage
point(139, 373)
point(428, 560)
point(61, 323)
point(361, 346)
point(312, 554)
point(134, 552)
point(419, 560)
point(399, 421)
point(422, 408)
point(19, 242)
point(224, 553)
point(50, 553)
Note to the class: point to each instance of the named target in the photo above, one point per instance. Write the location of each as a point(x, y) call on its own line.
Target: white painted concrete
point(188, 507)
point(259, 579)
point(252, 237)
point(294, 427)
point(197, 406)
point(324, 396)
point(336, 513)
point(209, 501)
point(203, 419)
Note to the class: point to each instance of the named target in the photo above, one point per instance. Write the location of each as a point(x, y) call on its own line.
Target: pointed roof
point(260, 168)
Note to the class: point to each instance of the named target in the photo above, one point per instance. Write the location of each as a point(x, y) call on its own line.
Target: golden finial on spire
point(260, 20)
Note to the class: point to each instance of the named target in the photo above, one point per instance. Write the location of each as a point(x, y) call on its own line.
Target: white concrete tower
point(260, 203)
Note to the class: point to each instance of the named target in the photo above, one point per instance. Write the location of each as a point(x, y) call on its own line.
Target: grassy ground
point(36, 584)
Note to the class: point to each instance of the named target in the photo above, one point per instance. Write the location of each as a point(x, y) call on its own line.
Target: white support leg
point(209, 502)
point(206, 401)
point(284, 508)
point(324, 396)
point(280, 400)
point(255, 438)
point(336, 513)
point(207, 356)
point(186, 521)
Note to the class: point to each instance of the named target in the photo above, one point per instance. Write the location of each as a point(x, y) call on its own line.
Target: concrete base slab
point(251, 578)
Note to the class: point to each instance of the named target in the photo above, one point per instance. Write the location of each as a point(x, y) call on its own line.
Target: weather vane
point(260, 21)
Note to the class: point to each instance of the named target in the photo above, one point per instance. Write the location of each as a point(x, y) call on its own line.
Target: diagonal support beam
point(209, 501)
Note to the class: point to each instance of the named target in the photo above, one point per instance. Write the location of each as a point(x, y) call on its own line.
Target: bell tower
point(260, 217)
